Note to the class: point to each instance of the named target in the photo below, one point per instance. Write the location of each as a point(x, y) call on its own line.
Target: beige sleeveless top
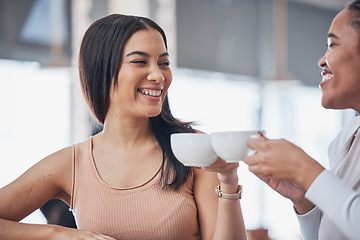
point(140, 212)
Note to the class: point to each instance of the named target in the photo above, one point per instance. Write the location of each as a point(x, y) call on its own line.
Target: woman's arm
point(291, 172)
point(339, 201)
point(309, 224)
point(219, 218)
point(45, 180)
point(49, 178)
point(284, 167)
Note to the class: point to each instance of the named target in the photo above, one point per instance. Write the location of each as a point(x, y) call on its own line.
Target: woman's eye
point(167, 63)
point(329, 43)
point(138, 62)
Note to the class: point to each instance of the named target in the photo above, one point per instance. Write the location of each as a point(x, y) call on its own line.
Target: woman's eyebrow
point(144, 54)
point(164, 54)
point(332, 35)
point(138, 53)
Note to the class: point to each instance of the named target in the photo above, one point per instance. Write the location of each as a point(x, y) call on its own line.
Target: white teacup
point(193, 149)
point(231, 146)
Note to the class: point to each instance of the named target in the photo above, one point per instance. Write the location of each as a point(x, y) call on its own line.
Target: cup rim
point(238, 131)
point(190, 133)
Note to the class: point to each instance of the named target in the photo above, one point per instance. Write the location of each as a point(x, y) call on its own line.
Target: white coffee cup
point(193, 149)
point(231, 145)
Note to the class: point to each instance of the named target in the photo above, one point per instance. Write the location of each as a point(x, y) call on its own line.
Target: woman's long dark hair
point(99, 64)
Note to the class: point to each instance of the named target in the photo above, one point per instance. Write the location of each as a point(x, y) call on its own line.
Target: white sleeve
point(339, 201)
point(309, 224)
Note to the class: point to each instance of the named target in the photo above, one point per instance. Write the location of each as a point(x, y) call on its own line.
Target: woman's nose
point(156, 75)
point(322, 61)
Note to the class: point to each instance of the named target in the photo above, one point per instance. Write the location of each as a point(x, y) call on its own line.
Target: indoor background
point(237, 65)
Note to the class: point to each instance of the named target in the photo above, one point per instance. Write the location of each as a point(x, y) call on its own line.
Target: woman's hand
point(294, 192)
point(287, 189)
point(229, 220)
point(227, 172)
point(280, 159)
point(285, 167)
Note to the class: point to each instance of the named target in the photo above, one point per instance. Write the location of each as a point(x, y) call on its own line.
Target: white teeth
point(154, 93)
point(326, 77)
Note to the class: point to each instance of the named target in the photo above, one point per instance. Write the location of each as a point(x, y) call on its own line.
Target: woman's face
point(144, 76)
point(341, 65)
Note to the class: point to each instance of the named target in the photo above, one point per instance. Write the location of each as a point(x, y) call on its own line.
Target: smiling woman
point(125, 182)
point(144, 77)
point(340, 64)
point(327, 202)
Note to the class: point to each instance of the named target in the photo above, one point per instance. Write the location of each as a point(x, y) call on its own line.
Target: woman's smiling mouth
point(326, 77)
point(150, 92)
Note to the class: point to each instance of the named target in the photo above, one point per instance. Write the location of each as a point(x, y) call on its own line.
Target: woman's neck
point(127, 132)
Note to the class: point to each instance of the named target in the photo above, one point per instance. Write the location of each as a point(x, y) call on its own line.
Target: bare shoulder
point(50, 178)
point(56, 169)
point(61, 158)
point(60, 165)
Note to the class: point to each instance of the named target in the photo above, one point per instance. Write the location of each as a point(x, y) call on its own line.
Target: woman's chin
point(326, 101)
point(326, 105)
point(153, 113)
point(330, 105)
